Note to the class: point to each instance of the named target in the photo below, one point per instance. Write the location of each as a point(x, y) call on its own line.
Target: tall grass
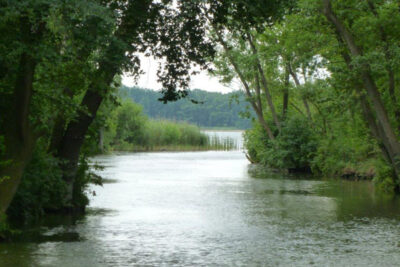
point(164, 135)
point(161, 133)
point(127, 129)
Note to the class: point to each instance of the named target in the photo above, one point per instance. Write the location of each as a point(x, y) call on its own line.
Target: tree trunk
point(376, 131)
point(389, 69)
point(369, 116)
point(59, 126)
point(305, 102)
point(257, 109)
point(101, 139)
point(69, 148)
point(18, 135)
point(387, 133)
point(74, 136)
point(285, 94)
point(264, 83)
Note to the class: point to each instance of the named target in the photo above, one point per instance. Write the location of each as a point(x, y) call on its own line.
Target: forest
point(321, 78)
point(210, 110)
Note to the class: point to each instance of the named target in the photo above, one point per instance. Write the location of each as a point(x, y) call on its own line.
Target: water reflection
point(213, 209)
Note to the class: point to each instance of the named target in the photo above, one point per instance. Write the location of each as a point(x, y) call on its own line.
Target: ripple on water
point(205, 209)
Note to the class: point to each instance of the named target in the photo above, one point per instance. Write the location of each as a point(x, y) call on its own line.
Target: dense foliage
point(323, 85)
point(211, 109)
point(293, 149)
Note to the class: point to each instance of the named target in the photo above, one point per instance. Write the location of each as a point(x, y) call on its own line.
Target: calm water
point(214, 209)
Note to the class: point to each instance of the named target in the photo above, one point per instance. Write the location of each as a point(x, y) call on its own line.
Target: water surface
point(214, 209)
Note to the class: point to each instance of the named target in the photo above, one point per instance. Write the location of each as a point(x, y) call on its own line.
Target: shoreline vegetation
point(213, 144)
point(128, 129)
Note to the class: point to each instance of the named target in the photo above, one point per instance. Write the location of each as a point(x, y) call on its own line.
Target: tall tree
point(173, 33)
point(38, 59)
point(388, 135)
point(240, 25)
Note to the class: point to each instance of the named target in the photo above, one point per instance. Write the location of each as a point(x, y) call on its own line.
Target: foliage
point(127, 128)
point(343, 88)
point(84, 177)
point(384, 177)
point(130, 122)
point(255, 140)
point(213, 109)
point(42, 191)
point(293, 149)
point(5, 230)
point(344, 153)
point(45, 189)
point(295, 146)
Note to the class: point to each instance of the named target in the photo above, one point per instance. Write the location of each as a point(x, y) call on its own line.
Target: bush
point(41, 188)
point(255, 140)
point(385, 178)
point(345, 152)
point(294, 148)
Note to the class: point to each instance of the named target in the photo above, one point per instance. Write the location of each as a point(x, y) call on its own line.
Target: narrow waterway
point(215, 209)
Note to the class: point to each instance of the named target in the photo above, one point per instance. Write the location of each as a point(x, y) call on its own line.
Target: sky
point(149, 80)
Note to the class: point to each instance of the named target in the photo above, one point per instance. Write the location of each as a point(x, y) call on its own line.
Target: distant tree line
point(211, 109)
point(126, 128)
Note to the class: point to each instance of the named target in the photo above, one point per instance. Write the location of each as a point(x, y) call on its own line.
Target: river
point(215, 209)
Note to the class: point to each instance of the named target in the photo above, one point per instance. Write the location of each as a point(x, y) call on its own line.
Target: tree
point(51, 38)
point(171, 33)
point(240, 27)
point(357, 58)
point(35, 53)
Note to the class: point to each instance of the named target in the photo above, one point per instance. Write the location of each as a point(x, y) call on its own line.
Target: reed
point(165, 135)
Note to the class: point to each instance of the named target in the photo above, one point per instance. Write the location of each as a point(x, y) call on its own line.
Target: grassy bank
point(129, 130)
point(164, 135)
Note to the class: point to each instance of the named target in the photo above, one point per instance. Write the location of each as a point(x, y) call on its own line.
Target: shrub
point(345, 152)
point(41, 188)
point(255, 140)
point(385, 178)
point(293, 149)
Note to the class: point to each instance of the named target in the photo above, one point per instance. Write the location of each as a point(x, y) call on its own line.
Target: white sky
point(149, 80)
